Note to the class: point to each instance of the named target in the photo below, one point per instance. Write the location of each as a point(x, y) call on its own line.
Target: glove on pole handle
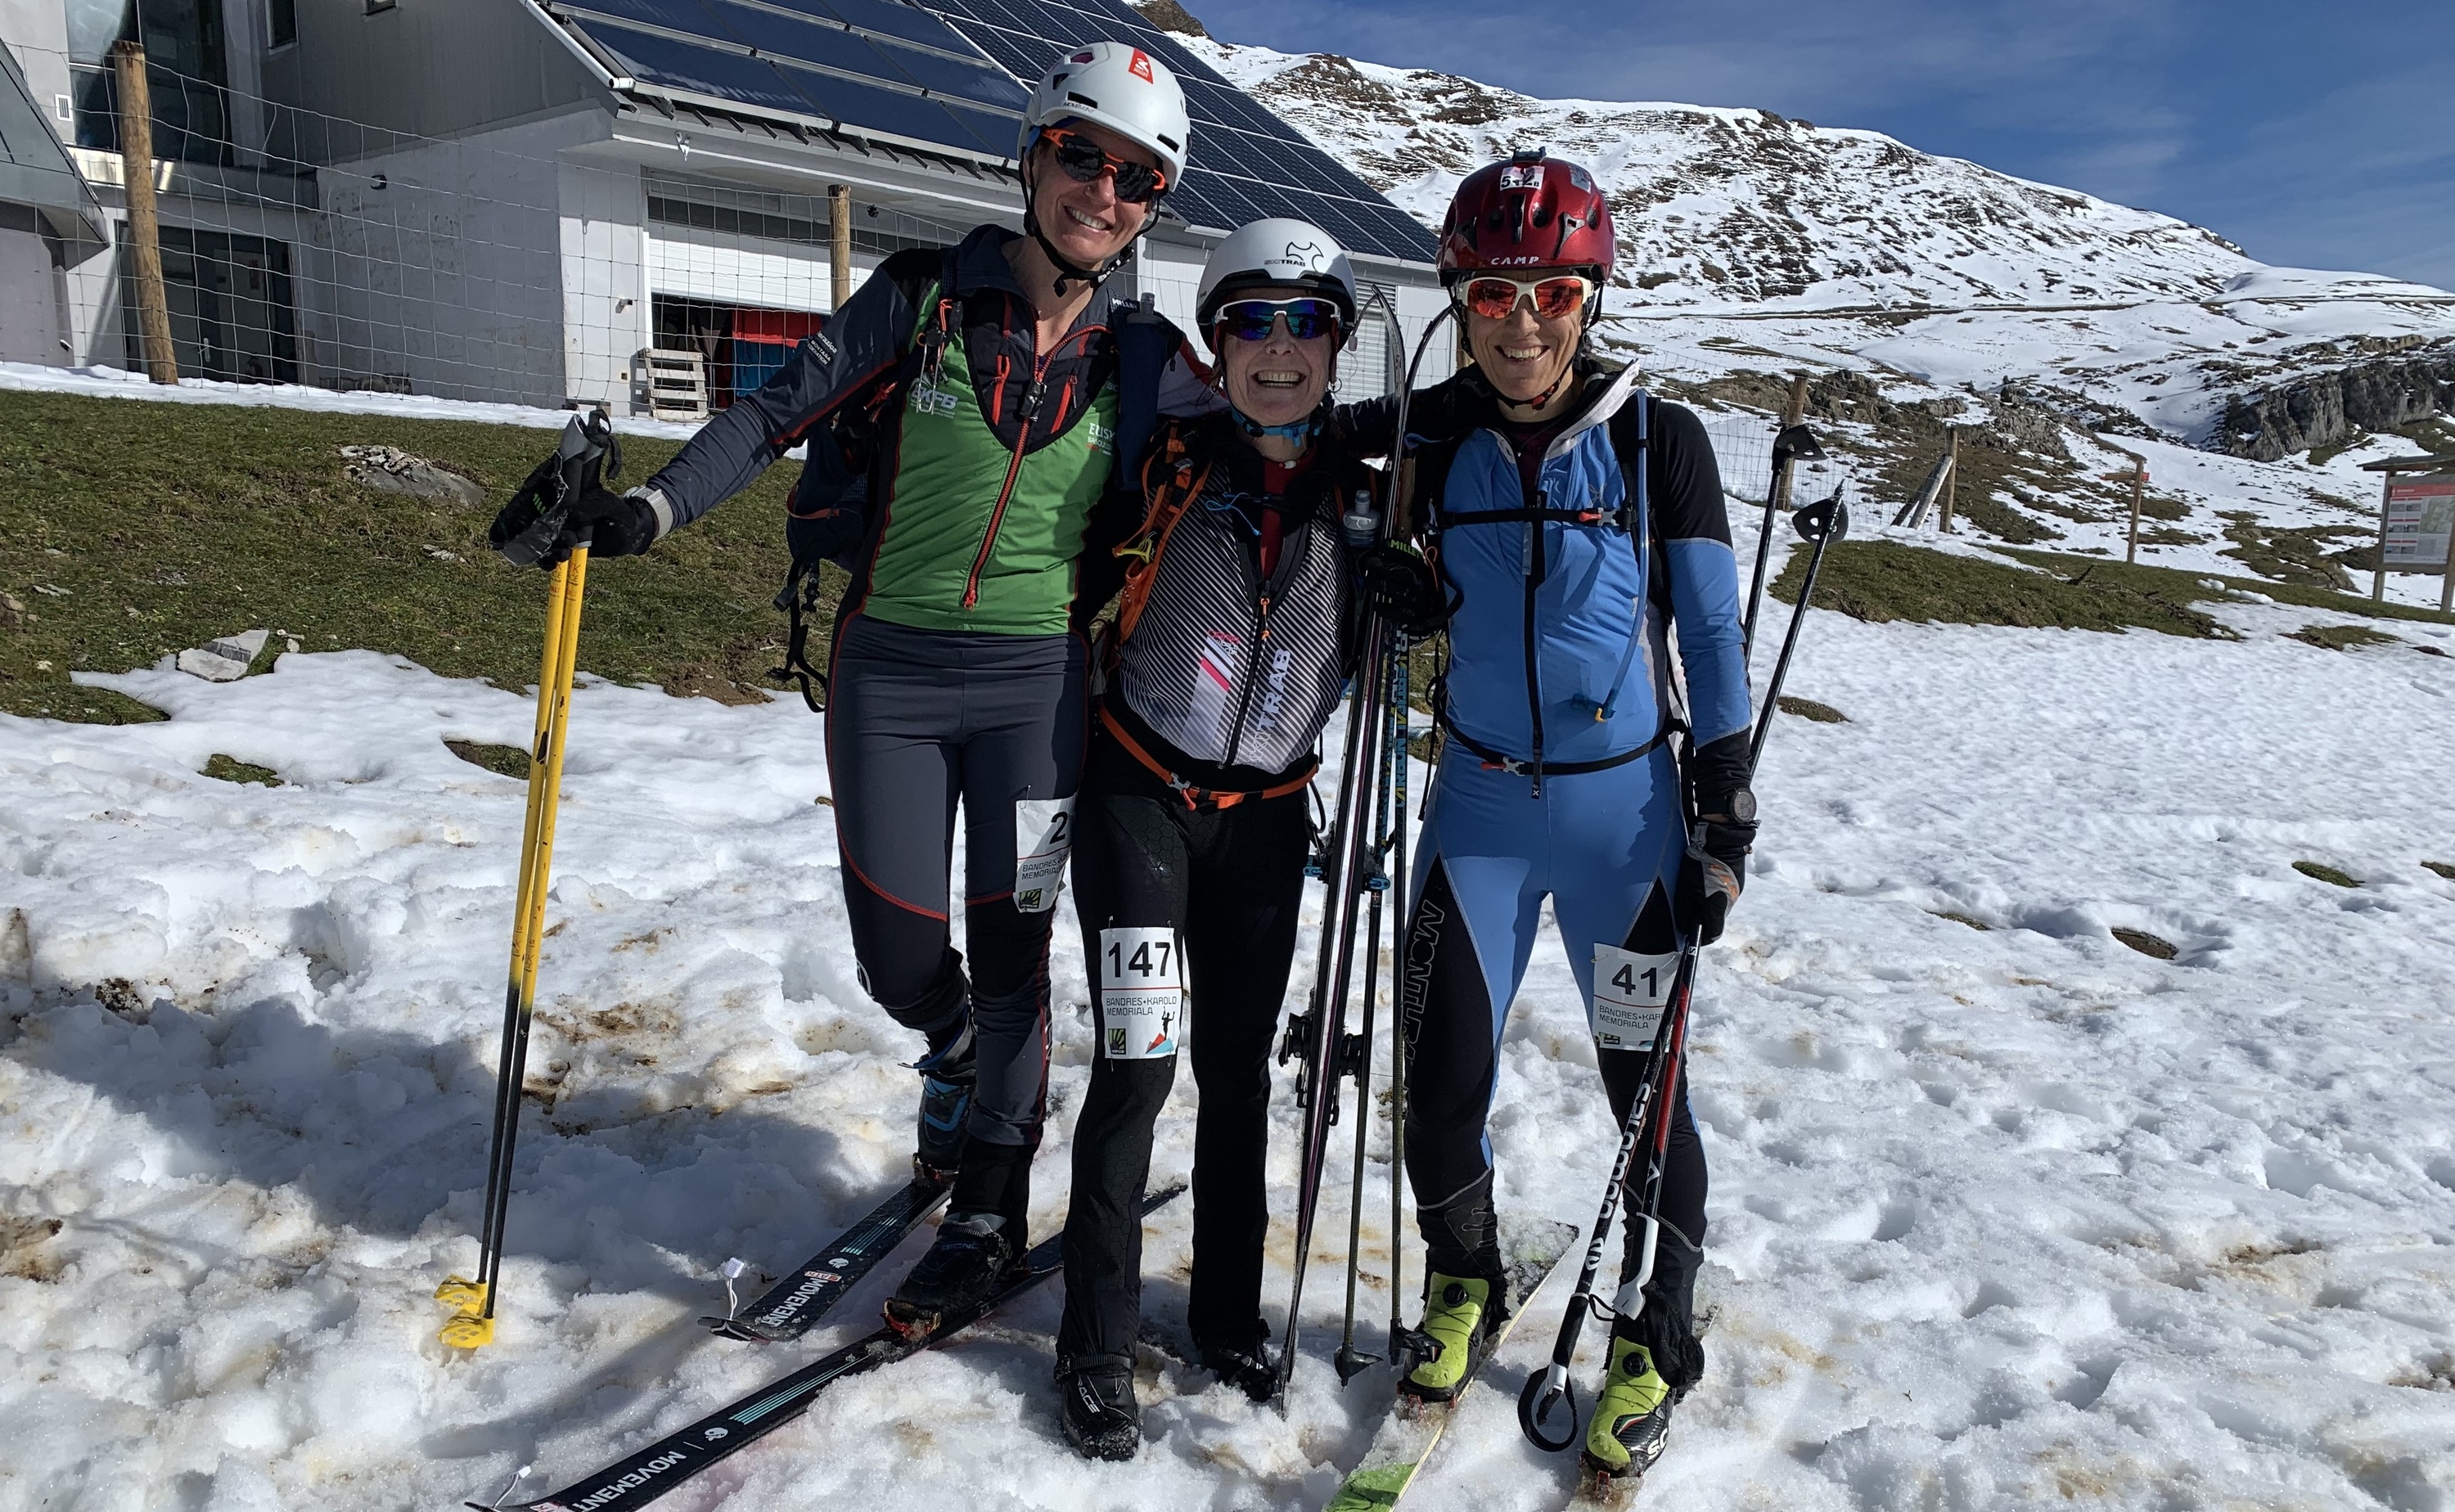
point(1822, 523)
point(1549, 1392)
point(473, 1324)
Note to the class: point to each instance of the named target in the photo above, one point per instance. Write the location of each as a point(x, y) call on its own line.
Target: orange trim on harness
point(1201, 798)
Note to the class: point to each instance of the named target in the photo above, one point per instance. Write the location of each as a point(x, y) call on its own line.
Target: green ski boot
point(1631, 1419)
point(1459, 1316)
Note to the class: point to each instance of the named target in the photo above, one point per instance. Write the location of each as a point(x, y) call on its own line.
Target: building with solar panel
point(615, 201)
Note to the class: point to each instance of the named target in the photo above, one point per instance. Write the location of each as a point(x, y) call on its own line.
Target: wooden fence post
point(1794, 411)
point(144, 229)
point(1952, 481)
point(2138, 484)
point(840, 243)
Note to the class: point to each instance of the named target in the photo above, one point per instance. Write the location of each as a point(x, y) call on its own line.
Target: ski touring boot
point(1097, 1408)
point(947, 1078)
point(1630, 1422)
point(972, 1258)
point(1461, 1314)
point(1244, 1364)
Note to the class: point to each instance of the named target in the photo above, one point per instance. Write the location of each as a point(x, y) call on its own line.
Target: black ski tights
point(1227, 883)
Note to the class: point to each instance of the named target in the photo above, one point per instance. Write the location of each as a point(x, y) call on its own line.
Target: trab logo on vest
point(930, 398)
point(1098, 437)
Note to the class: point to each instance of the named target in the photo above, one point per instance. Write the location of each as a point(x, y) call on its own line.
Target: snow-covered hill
point(1753, 241)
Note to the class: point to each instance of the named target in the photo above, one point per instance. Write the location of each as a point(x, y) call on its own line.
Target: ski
point(643, 1476)
point(789, 1309)
point(1414, 1428)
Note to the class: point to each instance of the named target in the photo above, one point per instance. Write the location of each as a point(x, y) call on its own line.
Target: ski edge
point(643, 1477)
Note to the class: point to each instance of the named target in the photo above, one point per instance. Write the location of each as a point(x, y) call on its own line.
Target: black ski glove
point(566, 497)
point(1715, 869)
point(1403, 588)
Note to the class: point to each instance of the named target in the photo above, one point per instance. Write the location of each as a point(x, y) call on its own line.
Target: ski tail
point(794, 1305)
point(642, 1478)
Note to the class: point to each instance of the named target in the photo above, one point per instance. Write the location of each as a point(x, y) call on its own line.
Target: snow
point(2005, 1217)
point(118, 383)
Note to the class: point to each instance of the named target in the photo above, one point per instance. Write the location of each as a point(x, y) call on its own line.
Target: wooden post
point(143, 230)
point(1952, 476)
point(840, 242)
point(2446, 583)
point(2386, 497)
point(2138, 484)
point(1794, 411)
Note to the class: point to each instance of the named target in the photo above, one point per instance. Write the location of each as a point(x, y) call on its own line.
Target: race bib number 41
point(1142, 994)
point(1629, 991)
point(1044, 832)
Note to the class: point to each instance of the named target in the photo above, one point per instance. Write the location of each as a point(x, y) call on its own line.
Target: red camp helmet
point(1530, 212)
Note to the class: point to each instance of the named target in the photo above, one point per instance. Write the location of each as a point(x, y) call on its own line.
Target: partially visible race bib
point(1044, 832)
point(1630, 992)
point(1142, 993)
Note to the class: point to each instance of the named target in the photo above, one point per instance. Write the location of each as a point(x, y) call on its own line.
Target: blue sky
point(2314, 136)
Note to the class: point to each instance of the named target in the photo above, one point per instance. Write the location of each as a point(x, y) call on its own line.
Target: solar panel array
point(872, 64)
point(1245, 164)
point(958, 74)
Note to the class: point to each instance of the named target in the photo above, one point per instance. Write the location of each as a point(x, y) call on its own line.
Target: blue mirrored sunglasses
point(1252, 319)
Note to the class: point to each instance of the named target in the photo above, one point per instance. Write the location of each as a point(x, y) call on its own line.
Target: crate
point(676, 383)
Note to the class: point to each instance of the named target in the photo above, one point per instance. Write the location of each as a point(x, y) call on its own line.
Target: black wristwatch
point(1741, 809)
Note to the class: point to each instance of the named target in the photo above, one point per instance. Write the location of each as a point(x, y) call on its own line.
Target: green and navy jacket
point(990, 458)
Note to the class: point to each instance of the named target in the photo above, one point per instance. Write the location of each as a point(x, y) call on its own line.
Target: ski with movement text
point(1414, 1428)
point(788, 1309)
point(656, 1469)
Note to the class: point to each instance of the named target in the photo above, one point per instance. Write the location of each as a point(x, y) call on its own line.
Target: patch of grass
point(2322, 455)
point(2442, 868)
point(1887, 581)
point(2182, 586)
point(223, 767)
point(164, 526)
point(2299, 555)
point(2340, 637)
point(2147, 944)
point(507, 760)
point(48, 700)
point(1810, 709)
point(2326, 874)
point(1979, 925)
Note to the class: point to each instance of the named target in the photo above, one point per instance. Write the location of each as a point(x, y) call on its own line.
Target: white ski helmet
point(1278, 250)
point(1119, 86)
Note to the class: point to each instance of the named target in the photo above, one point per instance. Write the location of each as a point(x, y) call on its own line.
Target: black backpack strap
point(1145, 339)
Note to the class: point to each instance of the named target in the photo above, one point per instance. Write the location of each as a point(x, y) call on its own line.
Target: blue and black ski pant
point(1605, 847)
point(917, 720)
point(1225, 885)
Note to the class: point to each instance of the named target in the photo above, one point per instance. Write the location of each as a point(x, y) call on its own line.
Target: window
point(281, 21)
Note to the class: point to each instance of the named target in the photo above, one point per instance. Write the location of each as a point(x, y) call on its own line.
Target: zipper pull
point(1029, 409)
point(1262, 621)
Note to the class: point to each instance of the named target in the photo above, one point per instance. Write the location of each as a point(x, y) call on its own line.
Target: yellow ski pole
point(472, 1324)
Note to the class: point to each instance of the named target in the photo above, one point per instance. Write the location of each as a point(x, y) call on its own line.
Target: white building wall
point(605, 309)
point(441, 269)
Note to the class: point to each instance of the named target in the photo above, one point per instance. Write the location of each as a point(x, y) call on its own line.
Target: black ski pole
point(1315, 1035)
point(1796, 444)
point(1356, 1050)
point(1648, 1121)
point(1821, 523)
point(1550, 1391)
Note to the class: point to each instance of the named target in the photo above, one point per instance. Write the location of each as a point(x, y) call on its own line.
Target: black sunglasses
point(1086, 160)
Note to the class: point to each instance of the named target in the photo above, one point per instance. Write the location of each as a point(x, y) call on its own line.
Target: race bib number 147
point(1142, 994)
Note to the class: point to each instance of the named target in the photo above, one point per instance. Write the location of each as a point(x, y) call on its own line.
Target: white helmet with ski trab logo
point(1116, 85)
point(1278, 250)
